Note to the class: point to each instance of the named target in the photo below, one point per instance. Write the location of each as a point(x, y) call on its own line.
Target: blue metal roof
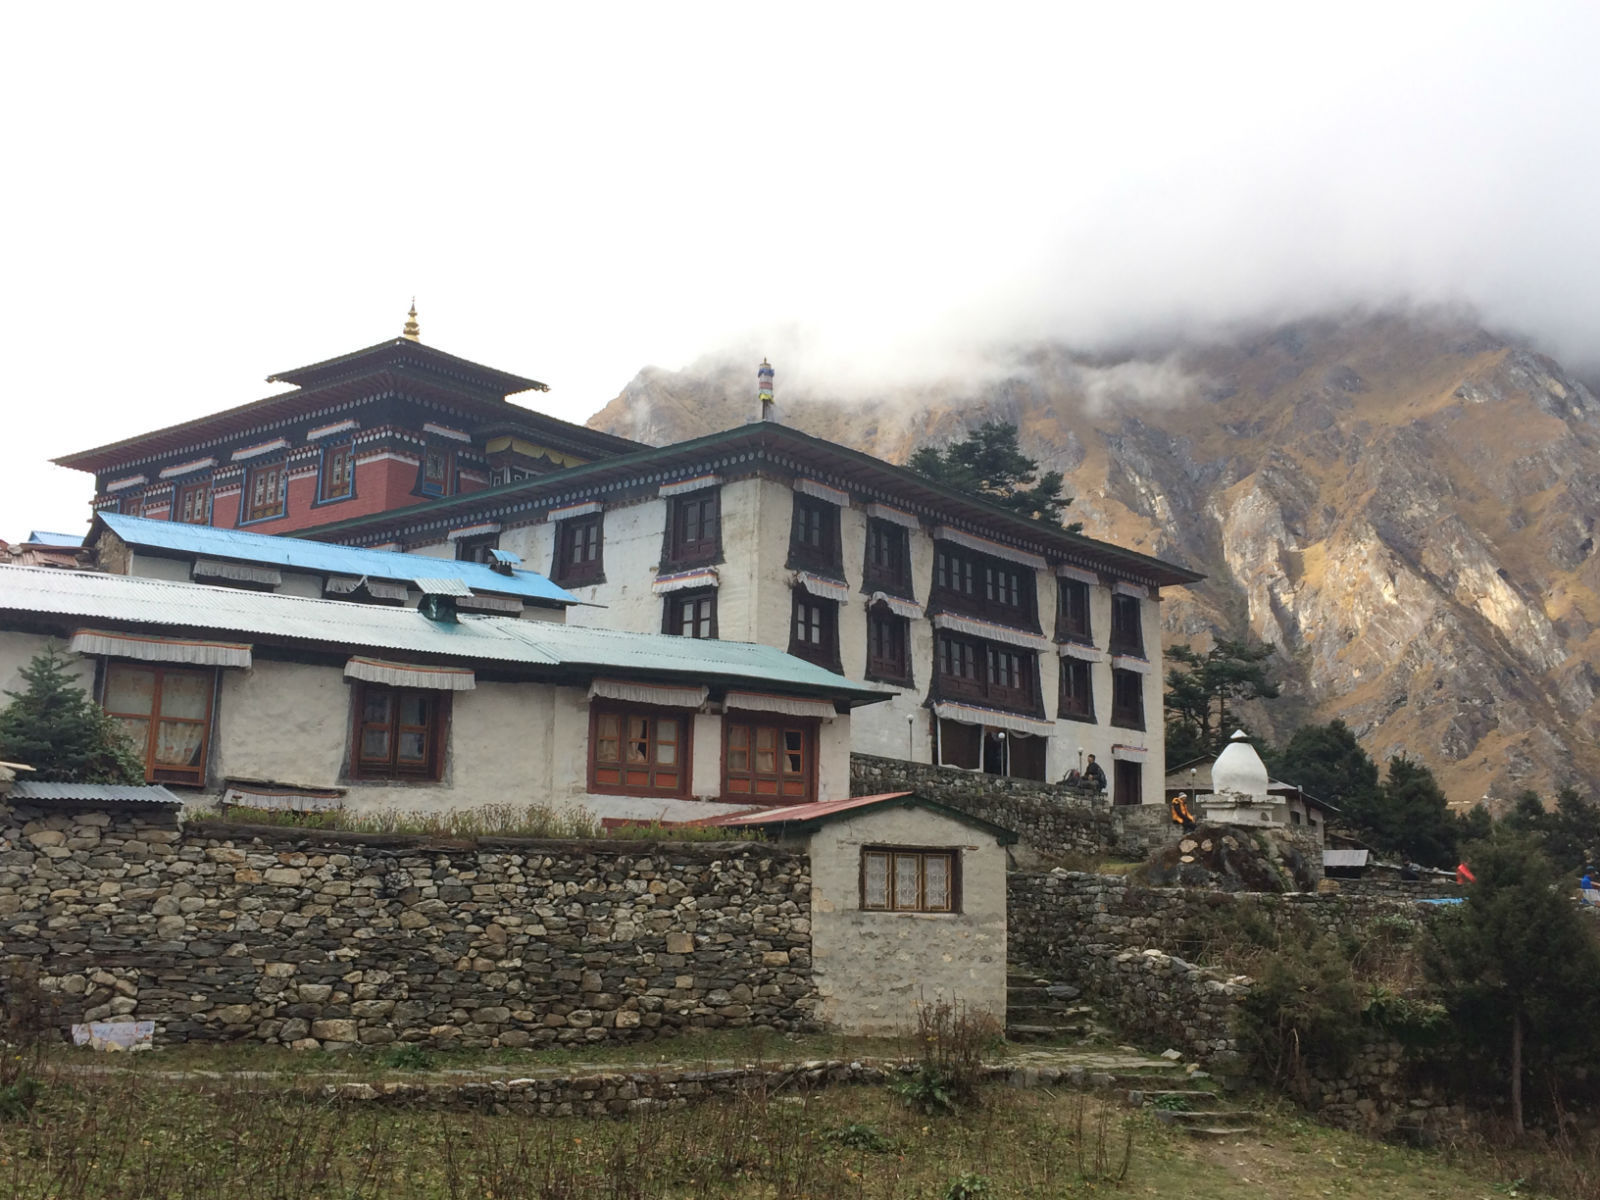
point(340, 625)
point(43, 537)
point(302, 555)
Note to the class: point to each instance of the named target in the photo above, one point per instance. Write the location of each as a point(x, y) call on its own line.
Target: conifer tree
point(989, 463)
point(53, 726)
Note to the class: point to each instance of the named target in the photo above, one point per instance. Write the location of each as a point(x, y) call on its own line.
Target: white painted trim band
point(789, 706)
point(968, 714)
point(1127, 662)
point(821, 491)
point(128, 482)
point(147, 648)
point(567, 511)
point(481, 527)
point(1078, 573)
point(1079, 650)
point(1130, 753)
point(1123, 588)
point(684, 486)
point(984, 546)
point(648, 693)
point(705, 577)
point(398, 674)
point(899, 607)
point(445, 431)
point(199, 464)
point(826, 589)
point(329, 430)
point(894, 516)
point(257, 451)
point(989, 631)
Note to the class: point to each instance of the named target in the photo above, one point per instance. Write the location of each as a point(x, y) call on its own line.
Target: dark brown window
point(266, 491)
point(986, 672)
point(772, 760)
point(888, 565)
point(888, 646)
point(193, 505)
point(691, 614)
point(910, 880)
point(1072, 612)
point(638, 752)
point(694, 528)
point(991, 588)
point(960, 745)
point(1127, 699)
point(1127, 633)
point(338, 476)
point(814, 631)
point(477, 549)
point(166, 712)
point(814, 536)
point(578, 544)
point(1077, 690)
point(399, 732)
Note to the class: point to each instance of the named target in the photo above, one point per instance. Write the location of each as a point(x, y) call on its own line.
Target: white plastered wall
point(872, 969)
point(17, 651)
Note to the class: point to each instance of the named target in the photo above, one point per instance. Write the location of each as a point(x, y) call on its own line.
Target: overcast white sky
point(196, 197)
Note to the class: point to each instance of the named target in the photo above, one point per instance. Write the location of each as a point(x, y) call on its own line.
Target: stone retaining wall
point(1051, 819)
point(223, 932)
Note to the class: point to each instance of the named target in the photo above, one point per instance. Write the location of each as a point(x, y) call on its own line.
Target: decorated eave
point(401, 367)
point(763, 445)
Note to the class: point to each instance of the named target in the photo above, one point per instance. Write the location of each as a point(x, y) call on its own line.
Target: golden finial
point(411, 330)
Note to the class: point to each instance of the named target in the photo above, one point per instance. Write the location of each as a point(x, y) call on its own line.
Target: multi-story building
point(393, 425)
point(1010, 645)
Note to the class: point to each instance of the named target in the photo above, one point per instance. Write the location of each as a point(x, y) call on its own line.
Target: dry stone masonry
point(221, 932)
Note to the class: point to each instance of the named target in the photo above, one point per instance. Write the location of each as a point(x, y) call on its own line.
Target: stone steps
point(1040, 1009)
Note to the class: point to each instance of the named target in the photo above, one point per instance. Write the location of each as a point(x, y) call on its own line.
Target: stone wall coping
point(298, 836)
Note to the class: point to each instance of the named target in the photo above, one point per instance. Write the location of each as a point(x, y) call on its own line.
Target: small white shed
point(908, 906)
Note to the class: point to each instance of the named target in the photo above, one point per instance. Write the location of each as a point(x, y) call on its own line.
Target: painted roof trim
point(806, 817)
point(952, 507)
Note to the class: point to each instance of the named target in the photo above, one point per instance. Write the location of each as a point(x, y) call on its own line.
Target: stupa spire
point(412, 330)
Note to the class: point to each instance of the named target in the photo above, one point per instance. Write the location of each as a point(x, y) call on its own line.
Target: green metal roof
point(547, 647)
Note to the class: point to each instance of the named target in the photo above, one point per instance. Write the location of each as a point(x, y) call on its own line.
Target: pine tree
point(989, 463)
point(54, 727)
point(1516, 966)
point(1200, 690)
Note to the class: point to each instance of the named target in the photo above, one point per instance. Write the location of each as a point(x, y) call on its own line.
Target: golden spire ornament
point(411, 329)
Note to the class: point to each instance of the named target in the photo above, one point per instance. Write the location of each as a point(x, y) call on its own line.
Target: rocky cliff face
point(1405, 506)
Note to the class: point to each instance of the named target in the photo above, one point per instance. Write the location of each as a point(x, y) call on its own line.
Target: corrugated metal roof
point(116, 793)
point(299, 554)
point(344, 625)
point(43, 537)
point(1344, 858)
point(820, 811)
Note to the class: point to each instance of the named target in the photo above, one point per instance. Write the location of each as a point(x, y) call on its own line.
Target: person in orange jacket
point(1180, 811)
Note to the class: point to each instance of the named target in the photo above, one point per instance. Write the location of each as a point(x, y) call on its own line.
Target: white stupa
point(1239, 788)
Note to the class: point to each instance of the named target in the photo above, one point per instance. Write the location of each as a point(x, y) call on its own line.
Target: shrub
point(968, 1186)
point(951, 1040)
point(1303, 1009)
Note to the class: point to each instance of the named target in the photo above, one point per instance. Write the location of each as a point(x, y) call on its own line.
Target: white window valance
point(258, 450)
point(683, 580)
point(399, 674)
point(982, 545)
point(894, 516)
point(199, 464)
point(821, 491)
point(213, 568)
point(478, 530)
point(154, 648)
point(660, 694)
point(1080, 651)
point(1078, 573)
point(789, 706)
point(1130, 753)
point(1123, 588)
point(116, 485)
point(822, 587)
point(507, 605)
point(567, 511)
point(342, 585)
point(323, 431)
point(990, 631)
point(283, 797)
point(684, 486)
point(899, 607)
point(971, 714)
point(1129, 662)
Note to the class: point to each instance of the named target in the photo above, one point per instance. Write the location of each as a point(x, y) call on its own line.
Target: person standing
point(1588, 893)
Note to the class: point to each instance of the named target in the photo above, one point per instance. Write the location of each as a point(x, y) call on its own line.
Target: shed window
point(908, 880)
point(166, 712)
